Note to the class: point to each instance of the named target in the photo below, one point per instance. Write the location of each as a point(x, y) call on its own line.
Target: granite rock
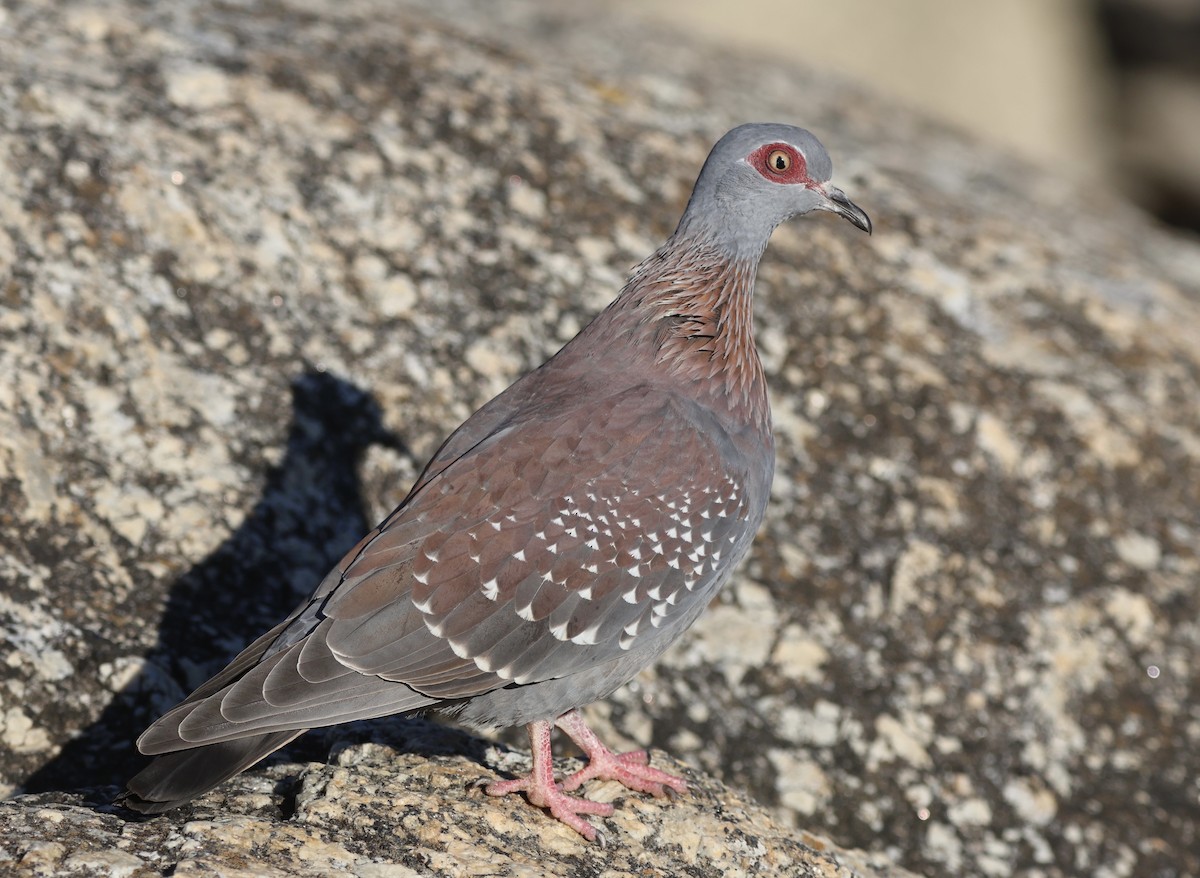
point(257, 259)
point(408, 806)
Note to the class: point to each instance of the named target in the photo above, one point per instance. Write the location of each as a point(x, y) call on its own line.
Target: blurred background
point(1105, 90)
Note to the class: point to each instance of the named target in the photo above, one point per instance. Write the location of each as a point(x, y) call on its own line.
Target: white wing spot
point(630, 597)
point(519, 554)
point(588, 635)
point(593, 544)
point(526, 612)
point(422, 578)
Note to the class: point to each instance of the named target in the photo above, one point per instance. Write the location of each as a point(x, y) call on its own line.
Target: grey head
point(756, 177)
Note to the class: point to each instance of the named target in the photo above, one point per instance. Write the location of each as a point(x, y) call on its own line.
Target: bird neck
point(690, 306)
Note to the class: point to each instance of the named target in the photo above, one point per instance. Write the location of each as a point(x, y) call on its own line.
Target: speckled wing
point(554, 544)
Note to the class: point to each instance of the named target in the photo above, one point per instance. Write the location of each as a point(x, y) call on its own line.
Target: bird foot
point(630, 769)
point(550, 795)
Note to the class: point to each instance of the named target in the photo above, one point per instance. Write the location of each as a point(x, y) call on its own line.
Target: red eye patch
point(780, 163)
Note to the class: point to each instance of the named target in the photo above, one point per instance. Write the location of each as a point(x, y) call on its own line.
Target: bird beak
point(837, 202)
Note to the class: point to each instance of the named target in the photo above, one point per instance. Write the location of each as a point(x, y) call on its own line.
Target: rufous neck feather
point(693, 305)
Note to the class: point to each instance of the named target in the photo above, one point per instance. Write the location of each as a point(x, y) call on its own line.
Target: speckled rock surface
point(257, 259)
point(376, 811)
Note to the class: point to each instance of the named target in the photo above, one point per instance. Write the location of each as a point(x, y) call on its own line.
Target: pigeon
point(560, 539)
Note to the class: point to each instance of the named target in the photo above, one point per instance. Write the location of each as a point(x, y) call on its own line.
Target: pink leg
point(631, 769)
point(541, 790)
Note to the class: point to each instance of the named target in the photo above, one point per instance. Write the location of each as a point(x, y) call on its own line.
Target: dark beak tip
point(847, 209)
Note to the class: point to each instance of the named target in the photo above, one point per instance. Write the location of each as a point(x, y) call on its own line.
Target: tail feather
point(174, 779)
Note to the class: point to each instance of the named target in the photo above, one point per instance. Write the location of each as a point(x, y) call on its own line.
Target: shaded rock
point(246, 250)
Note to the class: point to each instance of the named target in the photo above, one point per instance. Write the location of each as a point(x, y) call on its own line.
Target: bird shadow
point(310, 513)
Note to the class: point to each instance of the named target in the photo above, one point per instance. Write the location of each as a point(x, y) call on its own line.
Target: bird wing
point(559, 541)
point(555, 544)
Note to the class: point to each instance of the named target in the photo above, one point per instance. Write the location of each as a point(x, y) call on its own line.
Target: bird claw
point(632, 770)
point(566, 809)
point(479, 784)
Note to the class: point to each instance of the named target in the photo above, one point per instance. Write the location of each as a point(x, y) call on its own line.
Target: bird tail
point(174, 779)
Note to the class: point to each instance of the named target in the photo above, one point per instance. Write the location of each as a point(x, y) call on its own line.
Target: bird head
point(758, 176)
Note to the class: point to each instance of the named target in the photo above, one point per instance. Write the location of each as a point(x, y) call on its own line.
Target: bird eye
point(780, 163)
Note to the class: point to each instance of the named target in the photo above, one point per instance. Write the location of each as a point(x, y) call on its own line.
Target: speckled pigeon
point(561, 538)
